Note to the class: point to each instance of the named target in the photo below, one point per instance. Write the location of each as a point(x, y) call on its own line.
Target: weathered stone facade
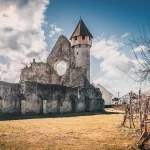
point(78, 66)
point(9, 98)
point(36, 98)
point(43, 91)
point(76, 55)
point(38, 72)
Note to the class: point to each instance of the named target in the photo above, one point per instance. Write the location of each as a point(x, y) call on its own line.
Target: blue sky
point(107, 17)
point(111, 22)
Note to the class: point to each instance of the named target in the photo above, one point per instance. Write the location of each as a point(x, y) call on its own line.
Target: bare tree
point(141, 49)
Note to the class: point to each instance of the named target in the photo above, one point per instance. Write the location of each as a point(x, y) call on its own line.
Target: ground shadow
point(10, 117)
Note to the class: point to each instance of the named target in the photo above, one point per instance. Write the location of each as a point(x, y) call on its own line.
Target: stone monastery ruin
point(43, 91)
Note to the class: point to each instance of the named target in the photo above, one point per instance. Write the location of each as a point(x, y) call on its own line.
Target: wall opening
point(87, 104)
point(73, 103)
point(59, 103)
point(61, 68)
point(83, 37)
point(75, 37)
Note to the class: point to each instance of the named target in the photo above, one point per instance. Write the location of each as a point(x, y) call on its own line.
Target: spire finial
point(80, 16)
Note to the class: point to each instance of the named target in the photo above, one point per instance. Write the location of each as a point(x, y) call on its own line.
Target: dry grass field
point(93, 132)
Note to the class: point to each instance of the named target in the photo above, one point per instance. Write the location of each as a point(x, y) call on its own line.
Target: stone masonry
point(35, 98)
point(43, 91)
point(46, 72)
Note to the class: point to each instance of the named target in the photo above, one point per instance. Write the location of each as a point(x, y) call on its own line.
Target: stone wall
point(76, 58)
point(37, 72)
point(47, 99)
point(35, 98)
point(9, 98)
point(43, 91)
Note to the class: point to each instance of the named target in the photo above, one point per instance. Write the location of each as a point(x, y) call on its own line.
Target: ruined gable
point(46, 73)
point(60, 52)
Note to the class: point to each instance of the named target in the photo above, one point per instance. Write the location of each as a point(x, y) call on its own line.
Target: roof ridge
point(80, 26)
point(81, 29)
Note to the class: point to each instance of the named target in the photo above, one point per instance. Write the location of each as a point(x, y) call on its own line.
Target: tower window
point(83, 37)
point(75, 37)
point(89, 38)
point(77, 53)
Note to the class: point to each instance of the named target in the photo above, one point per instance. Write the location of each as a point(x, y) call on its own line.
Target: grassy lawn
point(98, 132)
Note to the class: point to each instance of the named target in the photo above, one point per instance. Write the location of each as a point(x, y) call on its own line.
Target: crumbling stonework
point(9, 98)
point(46, 73)
point(38, 72)
point(49, 98)
point(43, 91)
point(36, 98)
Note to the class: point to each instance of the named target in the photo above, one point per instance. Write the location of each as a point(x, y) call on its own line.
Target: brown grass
point(98, 132)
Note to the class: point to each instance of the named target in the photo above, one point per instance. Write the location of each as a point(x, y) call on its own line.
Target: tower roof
point(81, 30)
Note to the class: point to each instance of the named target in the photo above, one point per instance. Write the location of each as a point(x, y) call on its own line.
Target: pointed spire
point(81, 30)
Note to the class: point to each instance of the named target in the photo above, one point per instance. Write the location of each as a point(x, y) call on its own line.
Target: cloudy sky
point(30, 28)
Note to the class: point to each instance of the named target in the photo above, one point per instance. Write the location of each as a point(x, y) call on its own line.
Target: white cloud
point(125, 35)
point(137, 61)
point(113, 36)
point(54, 30)
point(141, 48)
point(21, 35)
point(113, 61)
point(115, 66)
point(115, 85)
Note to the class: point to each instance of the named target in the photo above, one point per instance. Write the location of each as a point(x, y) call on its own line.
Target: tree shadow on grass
point(40, 116)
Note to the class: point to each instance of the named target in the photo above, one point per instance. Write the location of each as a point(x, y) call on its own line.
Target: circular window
point(61, 67)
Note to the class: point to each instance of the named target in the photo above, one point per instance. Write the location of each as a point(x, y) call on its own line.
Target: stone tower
point(76, 55)
point(81, 42)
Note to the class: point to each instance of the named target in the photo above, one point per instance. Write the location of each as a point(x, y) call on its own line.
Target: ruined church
point(43, 91)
